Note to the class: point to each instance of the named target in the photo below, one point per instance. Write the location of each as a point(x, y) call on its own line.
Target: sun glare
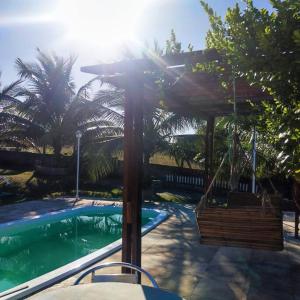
point(101, 23)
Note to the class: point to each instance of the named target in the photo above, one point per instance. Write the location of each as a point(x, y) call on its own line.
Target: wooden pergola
point(197, 94)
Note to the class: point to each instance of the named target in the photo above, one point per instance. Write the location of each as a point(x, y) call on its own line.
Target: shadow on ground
point(173, 255)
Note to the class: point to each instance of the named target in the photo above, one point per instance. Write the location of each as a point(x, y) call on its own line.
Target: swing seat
point(245, 222)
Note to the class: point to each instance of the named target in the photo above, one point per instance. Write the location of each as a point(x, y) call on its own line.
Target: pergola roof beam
point(153, 62)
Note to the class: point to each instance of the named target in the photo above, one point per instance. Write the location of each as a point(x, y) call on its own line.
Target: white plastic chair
point(126, 278)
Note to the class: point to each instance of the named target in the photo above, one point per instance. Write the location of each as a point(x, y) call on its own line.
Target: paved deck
point(173, 255)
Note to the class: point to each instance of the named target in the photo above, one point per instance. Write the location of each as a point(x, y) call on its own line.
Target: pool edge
point(42, 282)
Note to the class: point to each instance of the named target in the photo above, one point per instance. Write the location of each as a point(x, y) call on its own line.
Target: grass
point(157, 158)
point(163, 159)
point(178, 196)
point(109, 193)
point(17, 179)
point(66, 150)
point(20, 179)
point(23, 185)
point(170, 197)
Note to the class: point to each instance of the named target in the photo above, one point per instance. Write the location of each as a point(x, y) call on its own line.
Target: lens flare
point(103, 24)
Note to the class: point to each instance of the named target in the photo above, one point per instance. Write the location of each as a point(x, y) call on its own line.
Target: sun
point(100, 23)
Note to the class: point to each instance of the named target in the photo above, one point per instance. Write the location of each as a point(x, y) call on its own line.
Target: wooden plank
point(137, 171)
point(128, 179)
point(133, 150)
point(205, 107)
point(253, 227)
point(152, 63)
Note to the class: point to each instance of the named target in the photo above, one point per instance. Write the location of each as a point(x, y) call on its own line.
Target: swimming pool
point(39, 251)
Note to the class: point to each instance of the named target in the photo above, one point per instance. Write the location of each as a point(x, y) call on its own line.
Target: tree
point(159, 125)
point(172, 45)
point(48, 110)
point(7, 94)
point(263, 47)
point(185, 149)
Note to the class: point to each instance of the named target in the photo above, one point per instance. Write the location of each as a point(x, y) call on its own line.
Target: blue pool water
point(32, 248)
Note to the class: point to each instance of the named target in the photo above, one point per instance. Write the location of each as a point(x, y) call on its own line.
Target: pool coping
point(39, 283)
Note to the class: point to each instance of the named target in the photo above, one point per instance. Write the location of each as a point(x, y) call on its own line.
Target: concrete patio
point(173, 255)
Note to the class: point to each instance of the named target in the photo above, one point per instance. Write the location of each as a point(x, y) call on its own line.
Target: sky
point(94, 30)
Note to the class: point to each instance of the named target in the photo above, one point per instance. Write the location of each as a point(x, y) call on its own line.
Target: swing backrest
point(241, 199)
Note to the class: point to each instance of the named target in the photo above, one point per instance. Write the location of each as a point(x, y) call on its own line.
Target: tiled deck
point(173, 255)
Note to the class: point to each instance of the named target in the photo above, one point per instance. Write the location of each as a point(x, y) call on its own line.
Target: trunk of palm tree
point(57, 147)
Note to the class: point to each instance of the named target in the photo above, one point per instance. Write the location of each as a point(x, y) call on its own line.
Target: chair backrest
point(127, 278)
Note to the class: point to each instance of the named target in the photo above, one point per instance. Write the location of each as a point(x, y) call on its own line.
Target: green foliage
point(98, 159)
point(107, 194)
point(263, 47)
point(7, 93)
point(49, 110)
point(172, 45)
point(46, 111)
point(159, 124)
point(171, 197)
point(178, 197)
point(185, 149)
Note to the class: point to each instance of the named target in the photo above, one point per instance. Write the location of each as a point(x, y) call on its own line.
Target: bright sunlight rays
point(100, 23)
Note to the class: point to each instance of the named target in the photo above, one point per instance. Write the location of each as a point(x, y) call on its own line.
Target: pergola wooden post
point(133, 150)
point(133, 154)
point(209, 149)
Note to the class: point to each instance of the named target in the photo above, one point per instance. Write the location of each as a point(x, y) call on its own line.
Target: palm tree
point(7, 97)
point(185, 149)
point(159, 128)
point(48, 110)
point(159, 125)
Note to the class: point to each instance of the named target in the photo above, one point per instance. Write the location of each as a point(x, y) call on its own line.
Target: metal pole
point(234, 184)
point(77, 175)
point(253, 159)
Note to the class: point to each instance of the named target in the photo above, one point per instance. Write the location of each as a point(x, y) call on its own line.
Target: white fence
point(198, 182)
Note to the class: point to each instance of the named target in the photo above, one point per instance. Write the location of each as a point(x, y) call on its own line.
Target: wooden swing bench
point(247, 221)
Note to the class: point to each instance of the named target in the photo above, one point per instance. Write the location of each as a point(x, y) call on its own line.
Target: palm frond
point(98, 161)
point(9, 89)
point(84, 91)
